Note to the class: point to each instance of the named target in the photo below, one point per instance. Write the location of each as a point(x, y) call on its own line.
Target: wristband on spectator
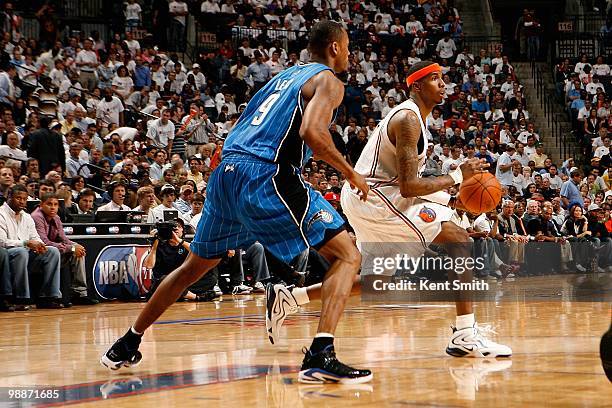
point(456, 175)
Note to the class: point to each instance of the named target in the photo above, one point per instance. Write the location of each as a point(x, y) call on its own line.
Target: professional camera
point(164, 230)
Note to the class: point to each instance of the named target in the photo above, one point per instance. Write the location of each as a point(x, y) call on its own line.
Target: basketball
point(480, 193)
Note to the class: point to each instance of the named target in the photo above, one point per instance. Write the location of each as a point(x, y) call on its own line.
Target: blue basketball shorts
point(250, 200)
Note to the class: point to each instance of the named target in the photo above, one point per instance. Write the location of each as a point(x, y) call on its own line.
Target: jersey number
point(264, 109)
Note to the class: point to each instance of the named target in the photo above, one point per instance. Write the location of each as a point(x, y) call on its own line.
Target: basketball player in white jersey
point(403, 207)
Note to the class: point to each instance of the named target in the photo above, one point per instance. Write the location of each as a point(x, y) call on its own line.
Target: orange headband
point(421, 73)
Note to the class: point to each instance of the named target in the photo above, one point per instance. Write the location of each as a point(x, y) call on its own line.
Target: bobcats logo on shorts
point(427, 214)
point(322, 215)
point(229, 167)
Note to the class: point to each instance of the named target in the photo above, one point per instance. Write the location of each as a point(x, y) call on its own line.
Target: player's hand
point(357, 181)
point(473, 166)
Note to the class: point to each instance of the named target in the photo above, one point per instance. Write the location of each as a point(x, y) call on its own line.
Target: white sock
point(324, 335)
point(134, 331)
point(464, 321)
point(301, 296)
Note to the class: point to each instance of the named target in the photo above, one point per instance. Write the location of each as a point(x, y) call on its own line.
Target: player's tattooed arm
point(405, 129)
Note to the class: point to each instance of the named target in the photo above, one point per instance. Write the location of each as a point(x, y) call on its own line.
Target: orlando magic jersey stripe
point(269, 126)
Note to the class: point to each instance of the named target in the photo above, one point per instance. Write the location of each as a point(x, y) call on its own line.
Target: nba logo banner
point(118, 272)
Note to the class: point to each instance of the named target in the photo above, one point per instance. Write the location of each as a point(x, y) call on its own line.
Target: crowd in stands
point(129, 124)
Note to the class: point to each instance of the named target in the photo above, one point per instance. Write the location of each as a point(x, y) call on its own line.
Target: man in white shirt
point(117, 191)
point(518, 179)
point(161, 131)
point(397, 93)
point(530, 131)
point(413, 25)
point(530, 148)
point(305, 56)
point(520, 155)
point(555, 180)
point(200, 79)
point(366, 64)
point(70, 106)
point(28, 253)
point(275, 64)
point(454, 162)
point(374, 88)
point(504, 67)
point(295, 19)
point(87, 62)
point(375, 72)
point(132, 44)
point(446, 47)
point(594, 85)
point(132, 14)
point(461, 219)
point(390, 105)
point(57, 74)
point(246, 49)
point(600, 68)
point(109, 110)
point(503, 172)
point(11, 149)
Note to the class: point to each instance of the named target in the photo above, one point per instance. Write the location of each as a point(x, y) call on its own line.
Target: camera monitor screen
point(170, 215)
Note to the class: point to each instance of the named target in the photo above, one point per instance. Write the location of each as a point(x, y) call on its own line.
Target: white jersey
point(378, 162)
point(388, 223)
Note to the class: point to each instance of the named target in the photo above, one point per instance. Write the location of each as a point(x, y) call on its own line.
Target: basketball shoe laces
point(482, 333)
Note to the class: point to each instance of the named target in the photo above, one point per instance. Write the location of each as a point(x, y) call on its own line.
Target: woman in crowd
point(76, 185)
point(576, 226)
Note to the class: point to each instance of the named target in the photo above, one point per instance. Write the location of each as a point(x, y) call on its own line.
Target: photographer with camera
point(168, 252)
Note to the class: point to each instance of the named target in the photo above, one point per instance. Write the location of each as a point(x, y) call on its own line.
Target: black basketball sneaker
point(124, 353)
point(324, 367)
point(605, 351)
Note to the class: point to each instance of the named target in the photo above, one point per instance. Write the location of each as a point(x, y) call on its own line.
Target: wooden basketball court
point(217, 353)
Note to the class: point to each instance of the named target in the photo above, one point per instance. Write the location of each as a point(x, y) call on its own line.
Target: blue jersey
point(269, 126)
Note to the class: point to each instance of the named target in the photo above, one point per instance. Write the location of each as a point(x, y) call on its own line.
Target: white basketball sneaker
point(472, 342)
point(280, 303)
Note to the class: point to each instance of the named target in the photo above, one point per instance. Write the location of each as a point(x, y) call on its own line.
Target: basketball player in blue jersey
point(257, 193)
